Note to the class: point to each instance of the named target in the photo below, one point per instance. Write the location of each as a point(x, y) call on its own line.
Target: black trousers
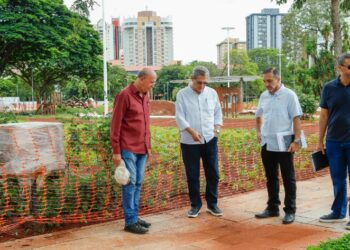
point(191, 155)
point(271, 160)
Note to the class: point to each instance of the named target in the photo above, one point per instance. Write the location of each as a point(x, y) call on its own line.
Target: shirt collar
point(134, 90)
point(194, 92)
point(279, 91)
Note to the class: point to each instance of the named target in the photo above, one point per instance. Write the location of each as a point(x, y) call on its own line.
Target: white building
point(147, 40)
point(234, 43)
point(110, 38)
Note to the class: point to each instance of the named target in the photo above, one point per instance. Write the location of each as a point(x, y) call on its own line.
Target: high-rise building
point(234, 43)
point(147, 40)
point(264, 30)
point(117, 38)
point(110, 39)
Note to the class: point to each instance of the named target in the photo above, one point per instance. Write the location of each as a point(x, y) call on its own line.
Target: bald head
point(146, 79)
point(146, 72)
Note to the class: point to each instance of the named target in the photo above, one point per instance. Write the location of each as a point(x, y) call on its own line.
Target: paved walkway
point(237, 229)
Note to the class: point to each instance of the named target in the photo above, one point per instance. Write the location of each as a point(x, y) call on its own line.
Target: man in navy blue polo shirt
point(335, 118)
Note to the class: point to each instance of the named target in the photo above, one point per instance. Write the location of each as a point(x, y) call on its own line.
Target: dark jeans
point(191, 155)
point(271, 160)
point(339, 160)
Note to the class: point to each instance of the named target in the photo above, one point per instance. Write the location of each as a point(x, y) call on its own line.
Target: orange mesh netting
point(82, 188)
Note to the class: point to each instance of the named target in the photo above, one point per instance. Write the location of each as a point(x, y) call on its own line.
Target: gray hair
point(200, 71)
point(342, 58)
point(274, 71)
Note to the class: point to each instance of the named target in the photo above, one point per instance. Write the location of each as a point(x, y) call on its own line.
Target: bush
point(308, 104)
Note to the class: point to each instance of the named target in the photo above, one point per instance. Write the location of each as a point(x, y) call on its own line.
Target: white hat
point(121, 174)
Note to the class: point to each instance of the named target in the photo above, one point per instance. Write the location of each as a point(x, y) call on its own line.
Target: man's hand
point(320, 147)
point(196, 136)
point(293, 147)
point(116, 159)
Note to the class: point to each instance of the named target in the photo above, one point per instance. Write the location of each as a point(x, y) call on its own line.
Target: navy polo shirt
point(336, 98)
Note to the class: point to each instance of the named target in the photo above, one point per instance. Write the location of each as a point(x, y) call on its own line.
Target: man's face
point(271, 82)
point(345, 68)
point(198, 84)
point(148, 82)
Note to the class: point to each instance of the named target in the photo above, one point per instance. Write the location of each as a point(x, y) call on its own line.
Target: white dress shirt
point(278, 111)
point(201, 112)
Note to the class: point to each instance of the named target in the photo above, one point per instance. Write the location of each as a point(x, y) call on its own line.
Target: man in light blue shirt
point(278, 111)
point(199, 117)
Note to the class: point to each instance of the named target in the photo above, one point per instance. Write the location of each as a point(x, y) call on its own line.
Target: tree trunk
point(335, 7)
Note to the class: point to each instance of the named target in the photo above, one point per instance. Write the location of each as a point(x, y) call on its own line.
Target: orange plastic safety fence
point(84, 189)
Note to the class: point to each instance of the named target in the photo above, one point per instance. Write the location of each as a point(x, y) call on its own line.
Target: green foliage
point(308, 103)
point(342, 243)
point(7, 117)
point(118, 79)
point(164, 88)
point(213, 69)
point(266, 58)
point(48, 42)
point(241, 64)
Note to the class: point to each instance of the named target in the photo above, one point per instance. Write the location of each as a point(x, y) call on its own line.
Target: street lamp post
point(228, 52)
point(105, 88)
point(280, 62)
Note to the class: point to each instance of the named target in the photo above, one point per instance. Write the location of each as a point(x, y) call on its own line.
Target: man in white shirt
point(199, 117)
point(278, 111)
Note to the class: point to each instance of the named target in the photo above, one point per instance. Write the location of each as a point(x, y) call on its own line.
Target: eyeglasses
point(346, 66)
point(201, 82)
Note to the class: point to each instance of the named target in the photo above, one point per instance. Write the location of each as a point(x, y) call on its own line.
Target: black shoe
point(214, 210)
point(193, 212)
point(329, 218)
point(144, 223)
point(266, 214)
point(347, 226)
point(288, 218)
point(136, 229)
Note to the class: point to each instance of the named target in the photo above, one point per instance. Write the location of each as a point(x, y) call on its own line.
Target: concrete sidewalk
point(237, 229)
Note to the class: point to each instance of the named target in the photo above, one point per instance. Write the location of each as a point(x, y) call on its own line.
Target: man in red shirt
point(131, 141)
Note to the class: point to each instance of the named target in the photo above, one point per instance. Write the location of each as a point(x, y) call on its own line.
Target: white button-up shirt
point(278, 111)
point(201, 112)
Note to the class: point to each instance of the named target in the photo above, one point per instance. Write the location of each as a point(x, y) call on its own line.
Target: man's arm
point(117, 117)
point(258, 121)
point(322, 129)
point(180, 118)
point(297, 134)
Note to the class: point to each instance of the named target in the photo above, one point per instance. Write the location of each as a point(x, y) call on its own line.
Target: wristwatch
point(297, 141)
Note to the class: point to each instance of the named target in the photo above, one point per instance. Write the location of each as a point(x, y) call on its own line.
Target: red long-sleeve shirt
point(130, 126)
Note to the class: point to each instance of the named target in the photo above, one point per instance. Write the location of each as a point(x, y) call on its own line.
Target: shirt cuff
point(116, 151)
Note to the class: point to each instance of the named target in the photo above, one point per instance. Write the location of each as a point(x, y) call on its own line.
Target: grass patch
point(342, 243)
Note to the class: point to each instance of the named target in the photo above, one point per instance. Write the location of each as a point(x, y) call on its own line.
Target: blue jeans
point(135, 163)
point(338, 154)
point(191, 155)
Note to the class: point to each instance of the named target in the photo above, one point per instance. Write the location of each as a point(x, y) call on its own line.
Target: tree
point(301, 25)
point(212, 67)
point(118, 79)
point(49, 43)
point(335, 6)
point(266, 58)
point(82, 7)
point(163, 88)
point(240, 64)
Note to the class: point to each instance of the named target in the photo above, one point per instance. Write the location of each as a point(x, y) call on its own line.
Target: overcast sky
point(197, 23)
